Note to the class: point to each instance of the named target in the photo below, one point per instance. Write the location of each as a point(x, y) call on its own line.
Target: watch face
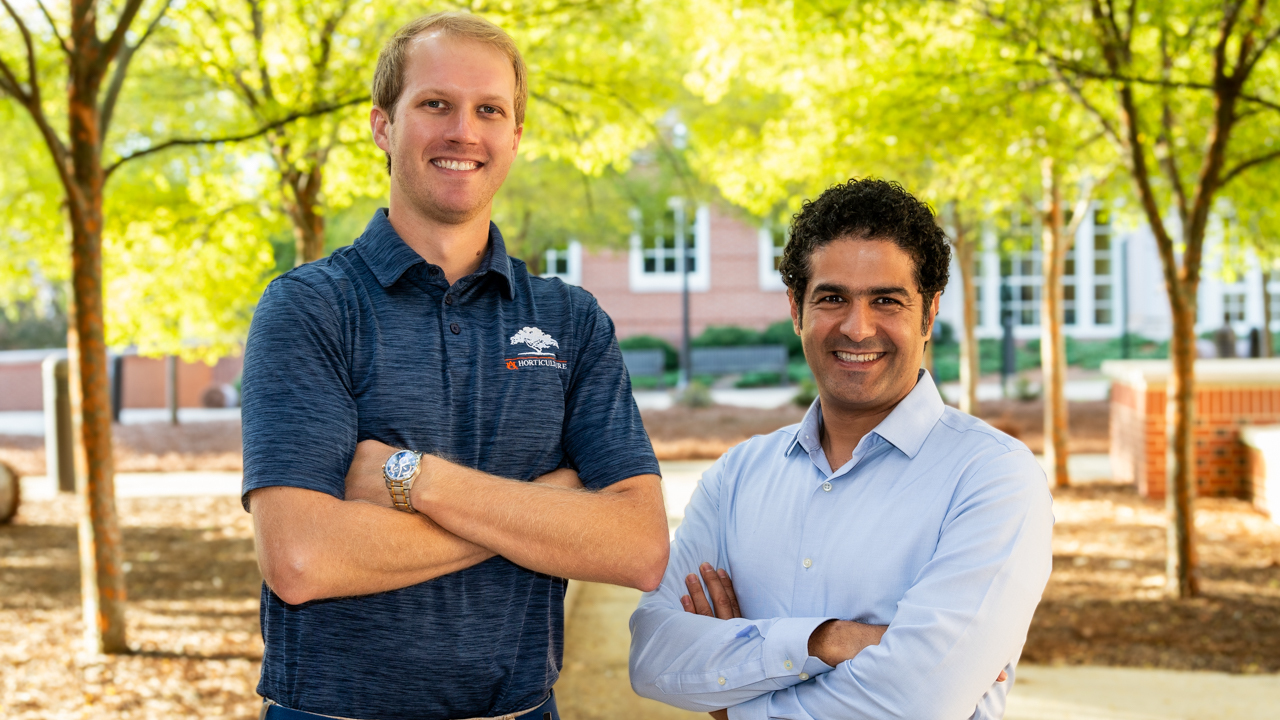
point(402, 465)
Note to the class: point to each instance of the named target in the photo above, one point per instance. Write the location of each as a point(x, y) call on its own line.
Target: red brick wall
point(735, 297)
point(144, 383)
point(20, 387)
point(1138, 442)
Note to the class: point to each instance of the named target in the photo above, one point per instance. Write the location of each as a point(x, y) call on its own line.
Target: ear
point(797, 323)
point(515, 145)
point(933, 314)
point(380, 124)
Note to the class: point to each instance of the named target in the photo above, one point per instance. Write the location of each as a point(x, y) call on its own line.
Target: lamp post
point(686, 361)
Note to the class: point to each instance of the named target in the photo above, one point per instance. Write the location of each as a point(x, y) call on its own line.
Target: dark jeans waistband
point(271, 711)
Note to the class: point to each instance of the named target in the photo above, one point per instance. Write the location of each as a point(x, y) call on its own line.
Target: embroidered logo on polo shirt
point(537, 342)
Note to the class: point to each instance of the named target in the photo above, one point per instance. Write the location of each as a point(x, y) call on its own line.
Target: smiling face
point(861, 325)
point(454, 133)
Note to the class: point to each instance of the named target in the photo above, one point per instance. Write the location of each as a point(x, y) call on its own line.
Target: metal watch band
point(400, 488)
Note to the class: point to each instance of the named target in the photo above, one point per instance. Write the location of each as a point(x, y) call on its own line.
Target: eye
point(490, 110)
point(434, 103)
point(886, 301)
point(830, 299)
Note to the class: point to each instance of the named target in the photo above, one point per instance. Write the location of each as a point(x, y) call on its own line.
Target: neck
point(457, 248)
point(844, 427)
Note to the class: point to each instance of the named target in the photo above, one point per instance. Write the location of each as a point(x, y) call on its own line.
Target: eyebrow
point(843, 290)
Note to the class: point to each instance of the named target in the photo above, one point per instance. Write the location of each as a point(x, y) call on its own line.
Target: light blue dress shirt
point(939, 526)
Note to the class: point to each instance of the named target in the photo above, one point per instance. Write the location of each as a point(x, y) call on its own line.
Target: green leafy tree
point(1181, 92)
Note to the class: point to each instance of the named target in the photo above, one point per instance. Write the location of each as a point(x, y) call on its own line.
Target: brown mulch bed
point(149, 447)
point(706, 433)
point(1106, 603)
point(192, 616)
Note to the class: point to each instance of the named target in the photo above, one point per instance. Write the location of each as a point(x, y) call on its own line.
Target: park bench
point(644, 363)
point(740, 359)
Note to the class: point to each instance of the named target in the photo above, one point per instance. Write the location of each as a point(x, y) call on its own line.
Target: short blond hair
point(388, 77)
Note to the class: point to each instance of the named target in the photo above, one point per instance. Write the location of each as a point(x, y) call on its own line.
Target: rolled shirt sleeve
point(701, 663)
point(299, 417)
point(964, 618)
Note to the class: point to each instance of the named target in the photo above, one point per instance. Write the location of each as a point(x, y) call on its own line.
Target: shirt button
point(454, 328)
point(721, 681)
point(804, 676)
point(787, 664)
point(826, 486)
point(807, 563)
point(448, 299)
point(433, 271)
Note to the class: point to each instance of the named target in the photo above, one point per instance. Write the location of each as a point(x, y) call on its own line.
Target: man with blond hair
point(434, 439)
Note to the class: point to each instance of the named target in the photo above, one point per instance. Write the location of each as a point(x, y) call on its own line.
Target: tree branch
point(1092, 74)
point(287, 119)
point(62, 42)
point(32, 95)
point(121, 69)
point(116, 41)
point(1245, 165)
point(1164, 143)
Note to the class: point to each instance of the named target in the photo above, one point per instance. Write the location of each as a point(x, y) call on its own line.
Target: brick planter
point(1230, 395)
point(1262, 451)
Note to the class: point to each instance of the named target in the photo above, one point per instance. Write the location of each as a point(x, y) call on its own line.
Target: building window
point(564, 263)
point(772, 242)
point(1103, 282)
point(655, 254)
point(1273, 288)
point(1233, 307)
point(1022, 270)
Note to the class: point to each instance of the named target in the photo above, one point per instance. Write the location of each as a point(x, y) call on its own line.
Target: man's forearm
point(313, 546)
point(617, 535)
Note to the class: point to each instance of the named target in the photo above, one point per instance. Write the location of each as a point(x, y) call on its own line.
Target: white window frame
point(665, 282)
point(770, 278)
point(573, 254)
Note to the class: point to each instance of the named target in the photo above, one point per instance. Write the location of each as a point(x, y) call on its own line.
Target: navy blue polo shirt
point(504, 372)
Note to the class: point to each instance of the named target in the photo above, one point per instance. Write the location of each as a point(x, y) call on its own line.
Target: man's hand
point(723, 601)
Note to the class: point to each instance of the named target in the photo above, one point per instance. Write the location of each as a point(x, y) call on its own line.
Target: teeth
point(850, 357)
point(456, 164)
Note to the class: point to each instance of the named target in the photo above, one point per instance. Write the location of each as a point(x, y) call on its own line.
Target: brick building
point(733, 276)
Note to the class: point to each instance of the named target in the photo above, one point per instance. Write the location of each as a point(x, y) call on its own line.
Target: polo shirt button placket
point(448, 299)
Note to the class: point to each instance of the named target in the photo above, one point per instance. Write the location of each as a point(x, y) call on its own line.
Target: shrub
point(726, 336)
point(783, 333)
point(758, 379)
point(807, 394)
point(696, 395)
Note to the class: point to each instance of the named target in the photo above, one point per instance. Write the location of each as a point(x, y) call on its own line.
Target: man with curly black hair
point(898, 584)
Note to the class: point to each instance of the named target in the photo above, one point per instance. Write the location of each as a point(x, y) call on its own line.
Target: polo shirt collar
point(906, 427)
point(389, 257)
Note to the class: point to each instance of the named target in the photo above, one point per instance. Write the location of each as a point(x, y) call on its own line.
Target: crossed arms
point(962, 620)
point(312, 545)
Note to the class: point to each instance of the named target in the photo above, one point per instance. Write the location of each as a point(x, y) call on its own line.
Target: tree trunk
point(969, 368)
point(1053, 361)
point(306, 212)
point(1266, 313)
point(1180, 452)
point(101, 572)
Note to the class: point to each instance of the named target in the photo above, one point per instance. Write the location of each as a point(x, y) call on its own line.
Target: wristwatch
point(400, 470)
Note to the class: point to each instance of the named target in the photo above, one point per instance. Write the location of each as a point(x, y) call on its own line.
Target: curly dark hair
point(868, 209)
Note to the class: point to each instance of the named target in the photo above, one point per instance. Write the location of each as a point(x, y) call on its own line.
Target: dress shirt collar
point(389, 257)
point(906, 427)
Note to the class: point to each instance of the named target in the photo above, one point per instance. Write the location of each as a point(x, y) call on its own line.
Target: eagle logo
point(535, 339)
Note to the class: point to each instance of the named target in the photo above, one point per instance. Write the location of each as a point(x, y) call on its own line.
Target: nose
point(859, 322)
point(462, 129)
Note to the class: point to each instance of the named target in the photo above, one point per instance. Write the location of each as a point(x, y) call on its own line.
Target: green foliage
point(798, 371)
point(758, 379)
point(727, 336)
point(783, 333)
point(22, 328)
point(807, 393)
point(696, 395)
point(648, 342)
